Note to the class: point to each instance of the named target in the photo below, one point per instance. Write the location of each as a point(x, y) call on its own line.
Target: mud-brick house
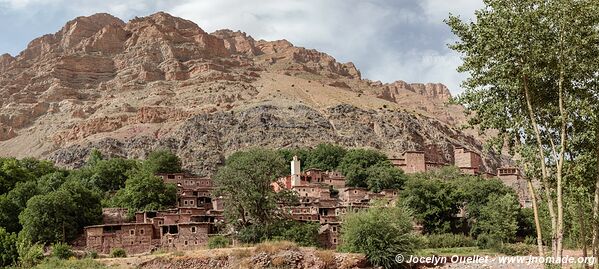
point(184, 227)
point(185, 235)
point(132, 237)
point(324, 198)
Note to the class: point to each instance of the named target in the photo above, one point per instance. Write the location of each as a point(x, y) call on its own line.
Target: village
point(323, 198)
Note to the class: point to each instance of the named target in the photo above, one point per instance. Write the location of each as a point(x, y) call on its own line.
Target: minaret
point(295, 172)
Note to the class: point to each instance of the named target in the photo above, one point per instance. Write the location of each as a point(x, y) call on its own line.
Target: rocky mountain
point(163, 82)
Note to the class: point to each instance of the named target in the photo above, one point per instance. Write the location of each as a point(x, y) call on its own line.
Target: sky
point(387, 40)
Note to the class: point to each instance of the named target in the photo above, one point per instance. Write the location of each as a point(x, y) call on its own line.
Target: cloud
point(387, 39)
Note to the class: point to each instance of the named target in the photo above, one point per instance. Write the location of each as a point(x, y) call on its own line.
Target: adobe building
point(324, 199)
point(512, 177)
point(185, 227)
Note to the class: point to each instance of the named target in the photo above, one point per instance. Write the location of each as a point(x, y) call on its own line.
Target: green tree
point(355, 163)
point(325, 156)
point(145, 191)
point(529, 63)
point(304, 234)
point(87, 203)
point(94, 157)
point(8, 248)
point(162, 161)
point(499, 218)
point(245, 183)
point(384, 175)
point(380, 233)
point(12, 172)
point(49, 218)
point(111, 174)
point(433, 203)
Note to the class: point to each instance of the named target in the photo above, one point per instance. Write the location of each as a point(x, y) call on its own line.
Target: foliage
point(8, 248)
point(218, 241)
point(498, 218)
point(145, 191)
point(432, 202)
point(50, 218)
point(383, 176)
point(380, 233)
point(111, 174)
point(303, 234)
point(325, 156)
point(245, 182)
point(118, 253)
point(355, 164)
point(30, 255)
point(162, 161)
point(61, 251)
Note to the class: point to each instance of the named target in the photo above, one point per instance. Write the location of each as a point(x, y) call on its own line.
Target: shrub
point(92, 255)
point(61, 251)
point(8, 248)
point(31, 255)
point(218, 241)
point(447, 240)
point(484, 241)
point(380, 233)
point(118, 253)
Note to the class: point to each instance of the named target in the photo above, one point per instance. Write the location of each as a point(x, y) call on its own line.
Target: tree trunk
point(544, 173)
point(535, 210)
point(594, 223)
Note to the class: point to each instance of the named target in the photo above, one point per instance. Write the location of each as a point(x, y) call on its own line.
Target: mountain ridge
point(140, 85)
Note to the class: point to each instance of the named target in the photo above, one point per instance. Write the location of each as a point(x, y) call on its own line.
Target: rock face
point(163, 82)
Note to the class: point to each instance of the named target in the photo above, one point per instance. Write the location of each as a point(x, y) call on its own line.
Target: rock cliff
point(163, 82)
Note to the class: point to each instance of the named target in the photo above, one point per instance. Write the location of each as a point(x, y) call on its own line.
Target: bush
point(218, 241)
point(447, 240)
point(92, 255)
point(8, 248)
point(484, 241)
point(31, 255)
point(61, 251)
point(380, 233)
point(118, 253)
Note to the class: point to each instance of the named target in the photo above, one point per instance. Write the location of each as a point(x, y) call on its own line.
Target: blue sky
point(388, 40)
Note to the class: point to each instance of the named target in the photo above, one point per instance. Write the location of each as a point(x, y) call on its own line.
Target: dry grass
point(327, 257)
point(272, 247)
point(279, 261)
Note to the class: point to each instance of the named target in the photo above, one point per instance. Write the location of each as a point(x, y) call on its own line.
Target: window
point(170, 240)
point(185, 202)
point(185, 242)
point(132, 232)
point(334, 240)
point(334, 229)
point(196, 242)
point(171, 176)
point(355, 192)
point(193, 229)
point(159, 222)
point(191, 202)
point(141, 231)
